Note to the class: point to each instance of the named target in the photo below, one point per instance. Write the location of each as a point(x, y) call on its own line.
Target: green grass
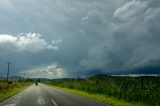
point(128, 90)
point(7, 92)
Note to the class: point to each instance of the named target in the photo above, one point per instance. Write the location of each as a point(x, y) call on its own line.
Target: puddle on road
point(41, 101)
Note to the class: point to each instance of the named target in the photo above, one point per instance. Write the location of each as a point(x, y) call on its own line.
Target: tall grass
point(5, 85)
point(145, 90)
point(7, 91)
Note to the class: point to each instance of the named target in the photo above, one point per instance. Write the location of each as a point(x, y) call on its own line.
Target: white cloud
point(56, 42)
point(51, 71)
point(30, 42)
point(131, 9)
point(55, 70)
point(84, 18)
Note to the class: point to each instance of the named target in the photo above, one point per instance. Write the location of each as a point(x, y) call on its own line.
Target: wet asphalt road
point(43, 95)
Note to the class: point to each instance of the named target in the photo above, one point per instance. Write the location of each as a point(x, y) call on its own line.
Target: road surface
point(43, 95)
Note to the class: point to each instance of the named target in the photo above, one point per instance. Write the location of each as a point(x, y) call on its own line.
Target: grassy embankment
point(14, 88)
point(118, 91)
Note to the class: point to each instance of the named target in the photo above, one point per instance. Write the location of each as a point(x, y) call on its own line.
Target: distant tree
point(78, 77)
point(38, 80)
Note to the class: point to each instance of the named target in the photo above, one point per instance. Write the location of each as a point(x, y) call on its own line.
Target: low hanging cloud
point(30, 42)
point(50, 71)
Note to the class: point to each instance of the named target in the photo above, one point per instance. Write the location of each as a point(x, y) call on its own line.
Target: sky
point(69, 38)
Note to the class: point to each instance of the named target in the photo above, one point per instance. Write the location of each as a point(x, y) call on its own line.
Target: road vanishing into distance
point(43, 95)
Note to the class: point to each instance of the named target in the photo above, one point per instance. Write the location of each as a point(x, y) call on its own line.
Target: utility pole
point(24, 74)
point(8, 71)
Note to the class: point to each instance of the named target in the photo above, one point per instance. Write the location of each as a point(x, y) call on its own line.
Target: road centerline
point(54, 102)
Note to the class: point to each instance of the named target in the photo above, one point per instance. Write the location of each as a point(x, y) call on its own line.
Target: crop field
point(145, 90)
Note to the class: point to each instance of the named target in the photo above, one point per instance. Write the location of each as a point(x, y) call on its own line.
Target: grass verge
point(7, 93)
point(98, 97)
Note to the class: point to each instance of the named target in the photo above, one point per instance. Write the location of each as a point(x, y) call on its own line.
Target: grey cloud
point(96, 35)
point(134, 40)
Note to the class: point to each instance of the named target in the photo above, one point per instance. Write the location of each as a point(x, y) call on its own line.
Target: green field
point(14, 88)
point(144, 91)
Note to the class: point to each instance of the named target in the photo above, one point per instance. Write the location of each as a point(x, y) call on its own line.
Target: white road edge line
point(54, 102)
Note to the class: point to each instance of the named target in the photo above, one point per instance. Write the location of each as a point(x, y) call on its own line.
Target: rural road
point(43, 95)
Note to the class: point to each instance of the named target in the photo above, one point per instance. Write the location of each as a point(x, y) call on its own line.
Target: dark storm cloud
point(134, 41)
point(102, 36)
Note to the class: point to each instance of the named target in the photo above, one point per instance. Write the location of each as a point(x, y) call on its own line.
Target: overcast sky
point(66, 38)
